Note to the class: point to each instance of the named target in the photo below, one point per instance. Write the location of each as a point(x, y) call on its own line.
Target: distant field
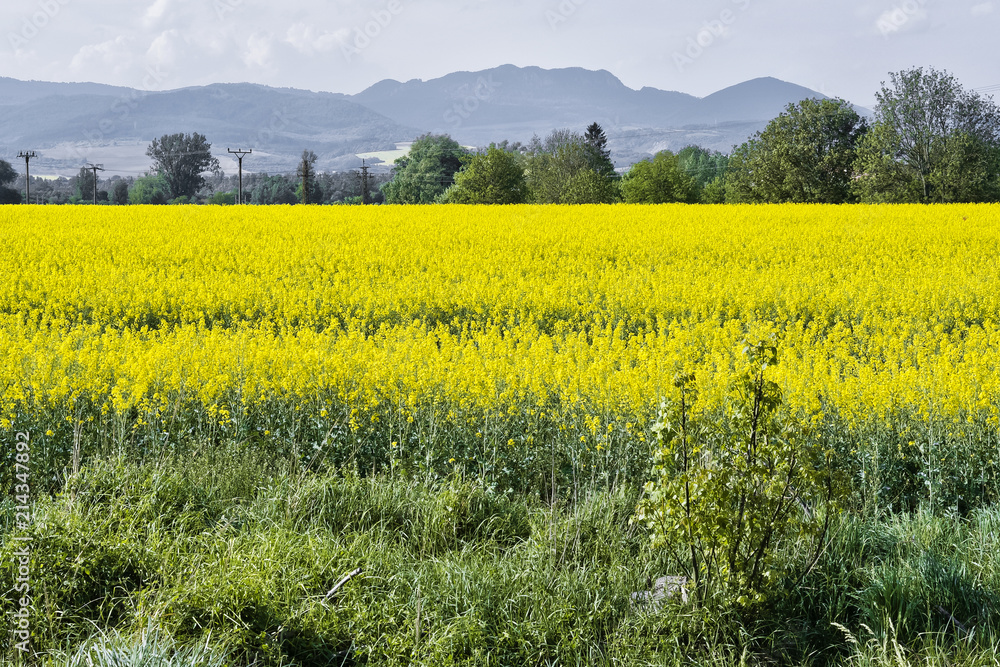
point(504, 341)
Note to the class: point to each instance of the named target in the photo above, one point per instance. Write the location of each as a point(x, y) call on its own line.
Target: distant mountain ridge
point(69, 124)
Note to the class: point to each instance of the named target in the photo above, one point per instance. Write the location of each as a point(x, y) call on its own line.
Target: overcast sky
point(839, 47)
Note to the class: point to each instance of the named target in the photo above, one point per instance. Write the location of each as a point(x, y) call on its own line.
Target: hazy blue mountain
point(69, 128)
point(514, 103)
point(70, 124)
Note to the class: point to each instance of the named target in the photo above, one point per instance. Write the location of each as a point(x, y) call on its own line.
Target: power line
point(240, 154)
point(95, 168)
point(364, 182)
point(27, 155)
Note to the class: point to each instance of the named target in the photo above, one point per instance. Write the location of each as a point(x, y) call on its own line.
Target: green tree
point(308, 191)
point(491, 177)
point(424, 174)
point(589, 187)
point(83, 190)
point(658, 181)
point(931, 141)
point(806, 154)
point(708, 169)
point(150, 189)
point(598, 152)
point(8, 175)
point(119, 192)
point(555, 171)
point(275, 189)
point(182, 159)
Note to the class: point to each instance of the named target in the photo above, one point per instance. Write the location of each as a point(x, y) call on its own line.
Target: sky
point(841, 48)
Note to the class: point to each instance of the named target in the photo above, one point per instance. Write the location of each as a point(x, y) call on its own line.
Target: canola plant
point(516, 343)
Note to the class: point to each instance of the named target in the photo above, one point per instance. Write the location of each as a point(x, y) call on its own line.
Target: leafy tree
point(119, 192)
point(222, 199)
point(8, 175)
point(84, 187)
point(708, 169)
point(931, 141)
point(491, 177)
point(308, 191)
point(806, 154)
point(659, 181)
point(272, 190)
point(150, 189)
point(182, 159)
point(597, 150)
point(558, 163)
point(426, 172)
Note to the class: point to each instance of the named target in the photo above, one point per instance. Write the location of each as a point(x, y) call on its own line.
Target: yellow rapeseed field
point(491, 336)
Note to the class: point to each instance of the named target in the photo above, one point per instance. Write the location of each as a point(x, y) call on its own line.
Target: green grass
point(222, 558)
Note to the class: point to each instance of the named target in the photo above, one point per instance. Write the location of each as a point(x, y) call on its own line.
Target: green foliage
point(7, 173)
point(222, 199)
point(597, 149)
point(150, 189)
point(119, 193)
point(931, 142)
point(732, 490)
point(590, 187)
point(181, 159)
point(566, 169)
point(273, 190)
point(659, 181)
point(423, 175)
point(308, 190)
point(806, 154)
point(493, 177)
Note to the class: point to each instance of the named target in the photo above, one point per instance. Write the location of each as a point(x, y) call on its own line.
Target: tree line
point(929, 140)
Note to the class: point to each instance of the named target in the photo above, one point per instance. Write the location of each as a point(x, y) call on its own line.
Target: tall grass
point(225, 557)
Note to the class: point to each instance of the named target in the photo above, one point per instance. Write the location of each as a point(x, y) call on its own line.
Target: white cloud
point(982, 9)
point(156, 11)
point(307, 39)
point(163, 51)
point(259, 50)
point(115, 53)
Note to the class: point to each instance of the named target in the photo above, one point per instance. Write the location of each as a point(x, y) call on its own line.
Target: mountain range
point(70, 124)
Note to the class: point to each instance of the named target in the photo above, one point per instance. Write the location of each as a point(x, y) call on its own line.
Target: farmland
point(476, 386)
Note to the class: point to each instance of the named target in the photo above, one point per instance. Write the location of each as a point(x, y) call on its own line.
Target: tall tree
point(557, 163)
point(492, 177)
point(659, 181)
point(306, 172)
point(597, 150)
point(8, 175)
point(806, 154)
point(182, 159)
point(119, 193)
point(931, 141)
point(429, 169)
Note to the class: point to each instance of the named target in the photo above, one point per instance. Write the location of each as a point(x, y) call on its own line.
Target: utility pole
point(95, 168)
point(27, 155)
point(240, 153)
point(364, 182)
